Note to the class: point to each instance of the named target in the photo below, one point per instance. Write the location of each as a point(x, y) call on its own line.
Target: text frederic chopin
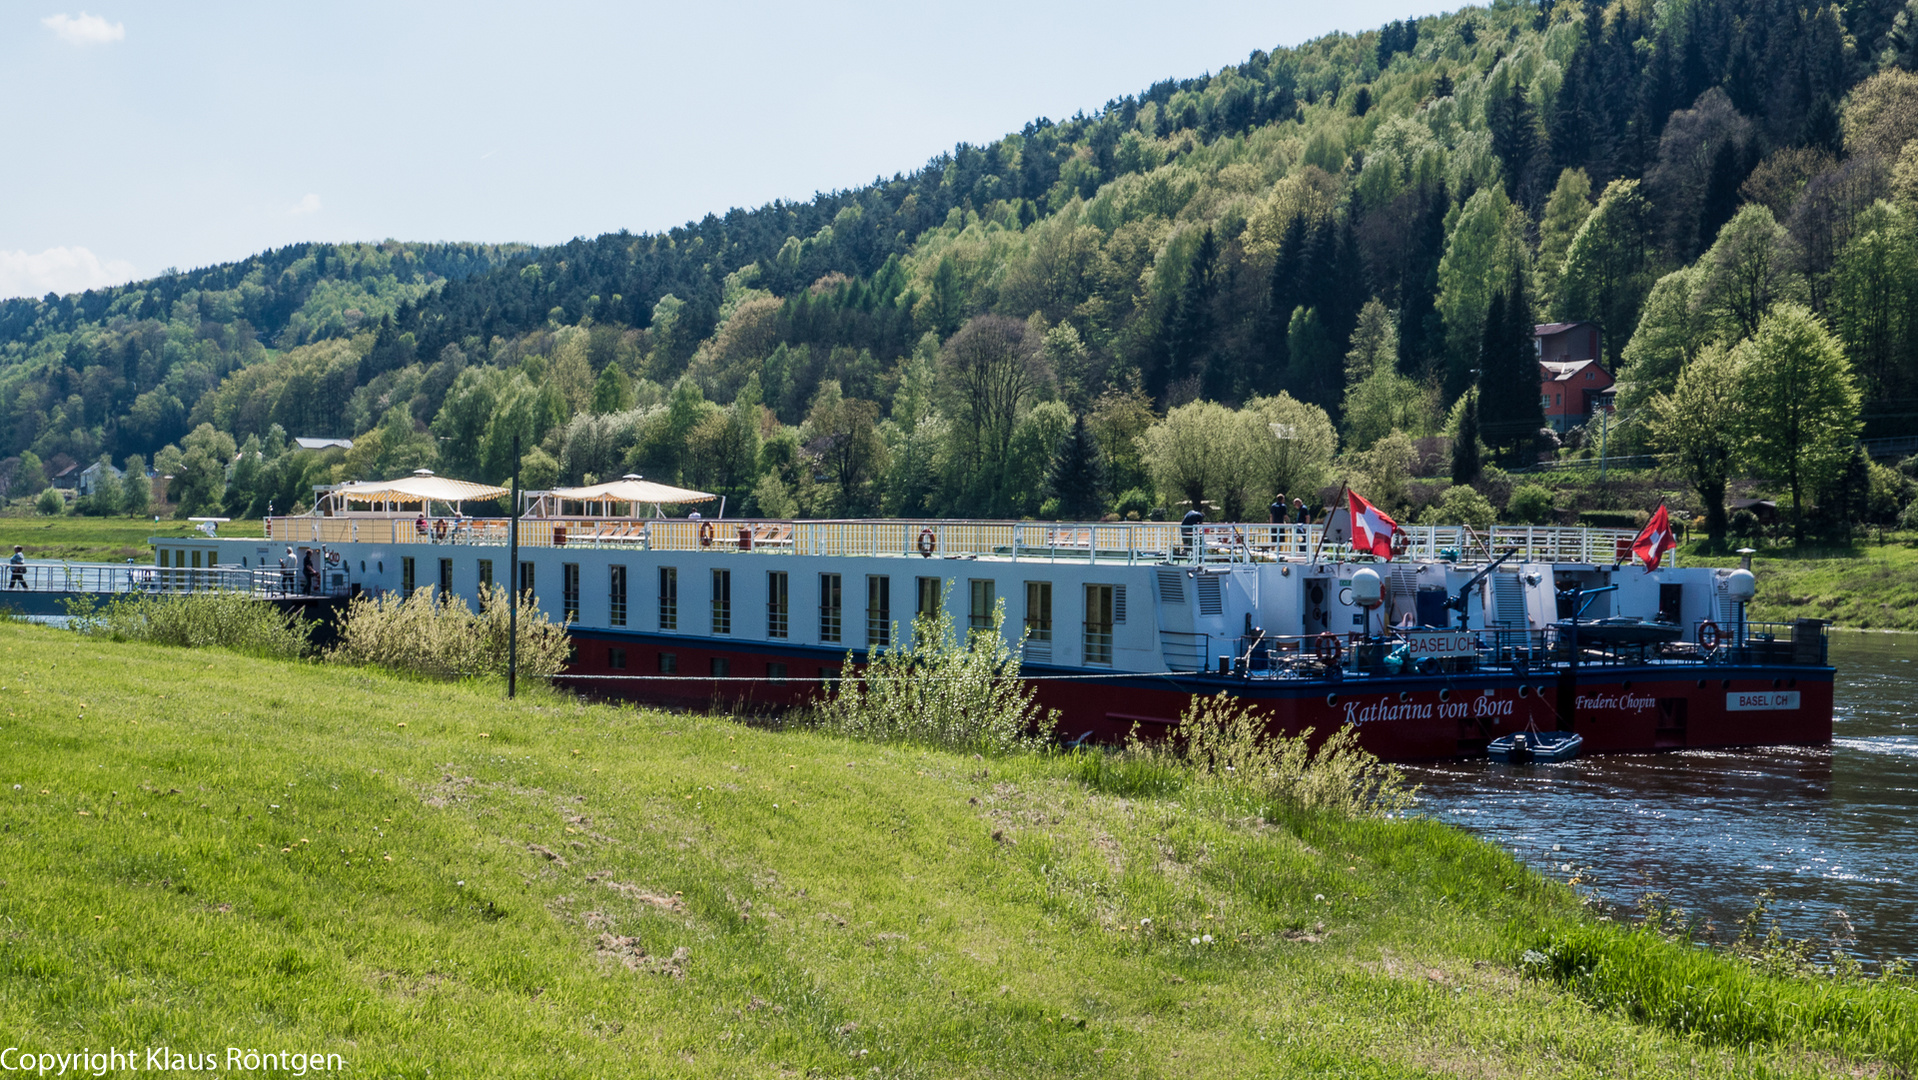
point(162, 1059)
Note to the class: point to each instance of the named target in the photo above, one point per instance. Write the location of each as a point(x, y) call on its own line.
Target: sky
point(143, 136)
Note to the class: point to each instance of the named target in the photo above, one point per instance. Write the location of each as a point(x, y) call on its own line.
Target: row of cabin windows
point(1104, 604)
point(409, 579)
point(717, 667)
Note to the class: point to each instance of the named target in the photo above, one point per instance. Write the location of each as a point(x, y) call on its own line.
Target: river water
point(1832, 831)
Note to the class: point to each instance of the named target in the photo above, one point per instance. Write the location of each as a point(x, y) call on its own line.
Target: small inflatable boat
point(1535, 746)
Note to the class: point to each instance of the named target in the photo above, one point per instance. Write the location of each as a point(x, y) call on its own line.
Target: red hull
point(1410, 718)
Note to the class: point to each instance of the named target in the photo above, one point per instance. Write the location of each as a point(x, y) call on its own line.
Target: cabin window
point(669, 598)
point(616, 659)
point(930, 589)
point(1039, 612)
point(878, 611)
point(776, 609)
point(525, 578)
point(406, 575)
point(196, 560)
point(616, 596)
point(776, 671)
point(446, 579)
point(668, 663)
point(1098, 643)
point(829, 607)
point(486, 573)
point(979, 605)
point(569, 590)
point(722, 601)
point(720, 667)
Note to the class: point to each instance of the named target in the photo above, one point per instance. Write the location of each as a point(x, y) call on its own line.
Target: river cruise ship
point(1460, 637)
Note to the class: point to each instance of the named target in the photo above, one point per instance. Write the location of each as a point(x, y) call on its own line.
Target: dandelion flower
point(1318, 898)
point(1207, 939)
point(1145, 922)
point(1195, 941)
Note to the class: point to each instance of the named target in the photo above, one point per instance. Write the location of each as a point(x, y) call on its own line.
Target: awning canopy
point(414, 489)
point(633, 490)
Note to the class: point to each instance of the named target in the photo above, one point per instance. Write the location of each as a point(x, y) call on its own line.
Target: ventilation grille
point(1172, 587)
point(1118, 605)
point(1508, 596)
point(1211, 597)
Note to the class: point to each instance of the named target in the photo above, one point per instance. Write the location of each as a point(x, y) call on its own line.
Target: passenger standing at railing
point(287, 562)
point(19, 564)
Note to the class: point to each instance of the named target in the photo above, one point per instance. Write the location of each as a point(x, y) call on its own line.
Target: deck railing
point(1127, 542)
point(1516, 651)
point(114, 578)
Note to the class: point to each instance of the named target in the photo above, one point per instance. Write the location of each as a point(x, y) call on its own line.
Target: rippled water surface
point(1833, 832)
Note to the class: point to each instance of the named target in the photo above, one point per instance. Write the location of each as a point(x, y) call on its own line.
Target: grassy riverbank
point(90, 539)
point(206, 850)
point(1865, 587)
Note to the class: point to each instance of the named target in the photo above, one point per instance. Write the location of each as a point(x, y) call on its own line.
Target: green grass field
point(1866, 587)
point(89, 539)
point(203, 850)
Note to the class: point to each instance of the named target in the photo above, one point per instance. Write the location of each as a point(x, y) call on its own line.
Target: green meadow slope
point(202, 850)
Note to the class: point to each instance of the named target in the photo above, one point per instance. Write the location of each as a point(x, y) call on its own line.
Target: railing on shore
point(1125, 542)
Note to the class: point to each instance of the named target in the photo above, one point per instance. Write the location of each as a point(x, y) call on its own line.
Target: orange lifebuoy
point(705, 534)
point(1327, 647)
point(1708, 634)
point(928, 542)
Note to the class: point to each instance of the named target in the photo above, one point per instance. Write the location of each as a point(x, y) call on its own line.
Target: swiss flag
point(1655, 540)
point(1371, 530)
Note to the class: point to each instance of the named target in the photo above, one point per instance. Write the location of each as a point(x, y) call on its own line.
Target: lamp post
point(513, 579)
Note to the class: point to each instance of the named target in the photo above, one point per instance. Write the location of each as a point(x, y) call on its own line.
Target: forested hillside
point(1342, 245)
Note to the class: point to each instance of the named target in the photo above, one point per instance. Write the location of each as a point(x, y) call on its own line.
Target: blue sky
point(148, 135)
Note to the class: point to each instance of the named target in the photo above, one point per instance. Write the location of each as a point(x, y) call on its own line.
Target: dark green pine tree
point(1188, 329)
point(1421, 327)
point(1283, 296)
point(1078, 477)
point(1511, 408)
point(1465, 462)
point(1518, 142)
point(1729, 169)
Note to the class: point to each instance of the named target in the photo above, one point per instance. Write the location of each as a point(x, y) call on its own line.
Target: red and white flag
point(1654, 540)
point(1371, 529)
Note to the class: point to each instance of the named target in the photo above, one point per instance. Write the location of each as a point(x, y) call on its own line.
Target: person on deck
point(287, 563)
point(19, 564)
point(1190, 525)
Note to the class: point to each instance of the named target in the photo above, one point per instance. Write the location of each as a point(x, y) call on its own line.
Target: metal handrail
point(1148, 542)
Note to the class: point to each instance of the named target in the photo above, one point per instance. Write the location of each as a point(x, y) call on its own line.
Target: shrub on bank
point(1224, 742)
point(936, 691)
point(228, 620)
point(445, 638)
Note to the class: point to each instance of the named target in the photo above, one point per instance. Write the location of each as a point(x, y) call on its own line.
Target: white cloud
point(308, 205)
point(84, 29)
point(59, 270)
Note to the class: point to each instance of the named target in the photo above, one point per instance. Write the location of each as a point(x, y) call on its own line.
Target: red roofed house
point(1573, 384)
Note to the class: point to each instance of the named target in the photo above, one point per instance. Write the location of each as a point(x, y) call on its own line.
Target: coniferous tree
point(1510, 409)
point(1077, 477)
point(1188, 330)
point(1465, 460)
point(1283, 296)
